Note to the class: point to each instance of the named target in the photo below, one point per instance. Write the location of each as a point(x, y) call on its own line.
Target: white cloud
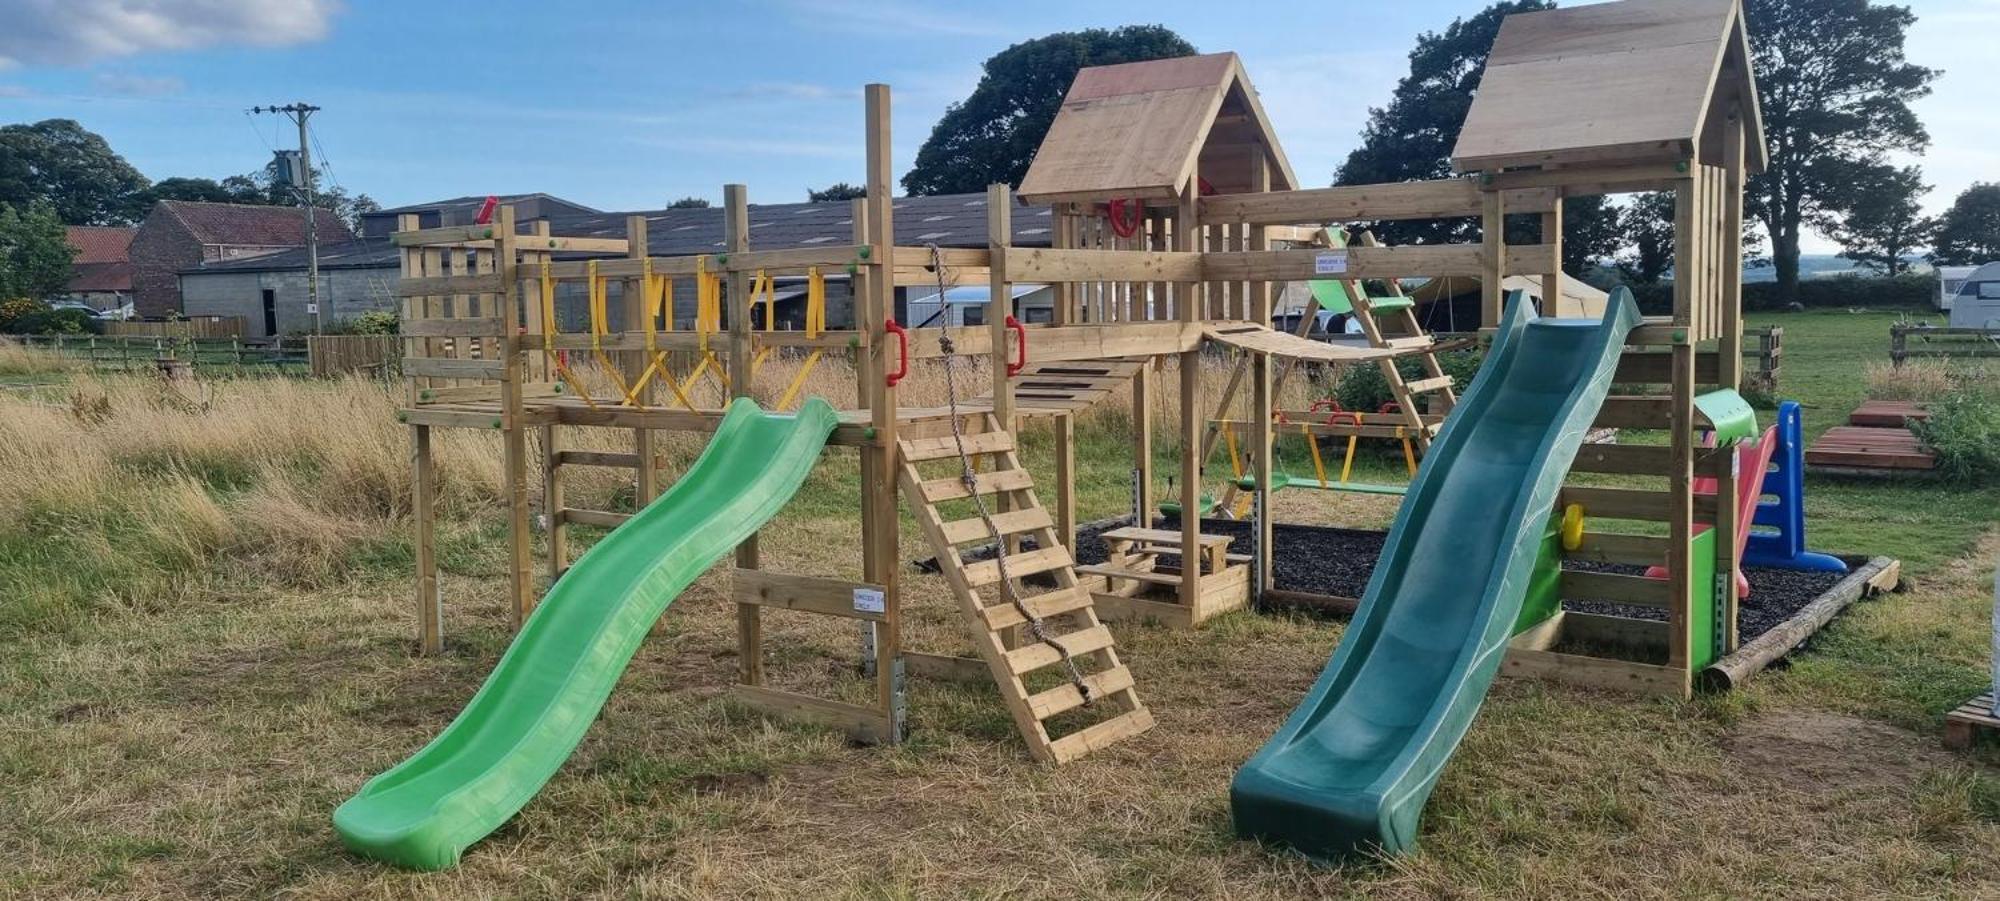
point(76, 32)
point(138, 85)
point(15, 91)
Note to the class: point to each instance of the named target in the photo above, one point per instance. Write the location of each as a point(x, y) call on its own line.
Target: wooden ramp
point(1870, 451)
point(1265, 340)
point(1040, 680)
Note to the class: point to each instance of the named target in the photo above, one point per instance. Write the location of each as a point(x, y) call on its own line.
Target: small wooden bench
point(1133, 541)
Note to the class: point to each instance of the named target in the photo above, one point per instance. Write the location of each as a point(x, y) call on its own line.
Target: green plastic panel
point(1351, 768)
point(548, 687)
point(1332, 295)
point(1704, 638)
point(1545, 585)
point(1733, 417)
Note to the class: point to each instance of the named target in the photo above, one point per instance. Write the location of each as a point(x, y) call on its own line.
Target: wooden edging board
point(1873, 577)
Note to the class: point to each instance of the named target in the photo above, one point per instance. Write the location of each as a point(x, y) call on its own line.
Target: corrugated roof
point(949, 220)
point(244, 224)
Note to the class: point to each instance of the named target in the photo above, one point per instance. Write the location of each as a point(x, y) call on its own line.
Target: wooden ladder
point(1403, 332)
point(1067, 612)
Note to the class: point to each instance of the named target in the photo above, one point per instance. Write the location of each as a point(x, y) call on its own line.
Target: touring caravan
point(1949, 278)
point(1976, 304)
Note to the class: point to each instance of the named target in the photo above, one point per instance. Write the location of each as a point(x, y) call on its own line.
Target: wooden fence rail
point(1941, 343)
point(120, 353)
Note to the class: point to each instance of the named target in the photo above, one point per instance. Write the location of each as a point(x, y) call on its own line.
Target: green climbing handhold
point(864, 251)
point(487, 234)
point(1680, 336)
point(558, 388)
point(722, 259)
point(496, 422)
point(868, 433)
point(1681, 166)
point(852, 269)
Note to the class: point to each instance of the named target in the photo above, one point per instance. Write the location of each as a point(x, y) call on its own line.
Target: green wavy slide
point(549, 686)
point(1350, 769)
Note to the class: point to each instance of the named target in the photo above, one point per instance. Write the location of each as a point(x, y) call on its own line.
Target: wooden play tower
point(1174, 216)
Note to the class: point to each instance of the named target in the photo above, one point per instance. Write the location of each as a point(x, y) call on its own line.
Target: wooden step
point(1425, 386)
point(1019, 566)
point(1054, 603)
point(1064, 698)
point(1086, 740)
point(952, 488)
point(1012, 522)
point(1161, 536)
point(946, 448)
point(1028, 658)
point(1107, 570)
point(1408, 342)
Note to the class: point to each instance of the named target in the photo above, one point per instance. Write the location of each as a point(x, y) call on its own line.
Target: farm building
point(179, 234)
point(101, 271)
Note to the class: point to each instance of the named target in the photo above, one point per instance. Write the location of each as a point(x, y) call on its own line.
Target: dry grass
point(222, 654)
point(1927, 380)
point(17, 361)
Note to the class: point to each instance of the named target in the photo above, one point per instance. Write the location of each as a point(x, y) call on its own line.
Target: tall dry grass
point(1928, 380)
point(18, 361)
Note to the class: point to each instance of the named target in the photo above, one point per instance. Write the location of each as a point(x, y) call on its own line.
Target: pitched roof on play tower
point(1635, 81)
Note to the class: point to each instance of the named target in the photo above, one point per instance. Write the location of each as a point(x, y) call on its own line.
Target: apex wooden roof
point(1630, 81)
point(1142, 130)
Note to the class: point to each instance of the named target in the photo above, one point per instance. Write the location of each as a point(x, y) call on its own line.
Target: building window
point(972, 315)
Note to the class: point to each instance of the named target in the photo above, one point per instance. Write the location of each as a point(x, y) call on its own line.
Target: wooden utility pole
point(299, 112)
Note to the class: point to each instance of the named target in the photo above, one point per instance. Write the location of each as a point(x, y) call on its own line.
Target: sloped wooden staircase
point(1066, 612)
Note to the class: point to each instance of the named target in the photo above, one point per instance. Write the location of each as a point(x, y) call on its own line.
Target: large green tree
point(1411, 138)
point(839, 190)
point(34, 253)
point(73, 170)
point(1835, 89)
point(1969, 233)
point(992, 135)
point(1883, 224)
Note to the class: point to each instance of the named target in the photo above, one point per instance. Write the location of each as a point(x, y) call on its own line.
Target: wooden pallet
point(1067, 611)
point(1865, 448)
point(1887, 414)
point(1972, 719)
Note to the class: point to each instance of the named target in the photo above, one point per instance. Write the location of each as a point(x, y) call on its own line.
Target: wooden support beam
point(736, 239)
point(1446, 198)
point(514, 439)
point(879, 464)
point(1493, 243)
point(430, 606)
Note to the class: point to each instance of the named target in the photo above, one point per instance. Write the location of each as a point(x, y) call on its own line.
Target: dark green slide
point(549, 686)
point(1351, 768)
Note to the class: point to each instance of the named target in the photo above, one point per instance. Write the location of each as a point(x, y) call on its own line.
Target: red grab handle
point(1125, 216)
point(902, 351)
point(1020, 348)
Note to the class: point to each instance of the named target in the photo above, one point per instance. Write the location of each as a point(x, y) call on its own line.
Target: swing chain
point(969, 477)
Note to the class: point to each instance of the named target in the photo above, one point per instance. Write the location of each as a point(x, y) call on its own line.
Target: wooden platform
point(1972, 718)
point(1887, 414)
point(1870, 450)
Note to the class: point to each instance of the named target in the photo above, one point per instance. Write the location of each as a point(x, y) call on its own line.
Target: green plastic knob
point(722, 259)
point(864, 251)
point(425, 394)
point(1680, 336)
point(496, 422)
point(852, 269)
point(402, 416)
point(559, 388)
point(1681, 166)
point(868, 433)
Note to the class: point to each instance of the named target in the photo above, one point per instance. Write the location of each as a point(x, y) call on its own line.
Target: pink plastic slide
point(1752, 462)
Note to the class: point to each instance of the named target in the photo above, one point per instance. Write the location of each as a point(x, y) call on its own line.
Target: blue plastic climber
point(1779, 539)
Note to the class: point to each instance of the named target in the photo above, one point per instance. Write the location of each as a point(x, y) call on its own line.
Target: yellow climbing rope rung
point(549, 331)
point(815, 324)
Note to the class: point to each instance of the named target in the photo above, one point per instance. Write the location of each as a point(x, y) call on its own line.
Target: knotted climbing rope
point(969, 477)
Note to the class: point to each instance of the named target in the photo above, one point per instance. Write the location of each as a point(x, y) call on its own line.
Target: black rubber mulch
point(1335, 561)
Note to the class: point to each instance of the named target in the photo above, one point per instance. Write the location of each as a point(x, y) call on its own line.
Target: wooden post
point(880, 458)
point(1142, 444)
point(1065, 500)
point(430, 606)
point(1063, 236)
point(553, 503)
point(1730, 360)
point(514, 435)
point(999, 303)
point(736, 240)
point(1552, 235)
point(1260, 400)
point(1680, 432)
point(1187, 230)
point(637, 318)
point(1493, 257)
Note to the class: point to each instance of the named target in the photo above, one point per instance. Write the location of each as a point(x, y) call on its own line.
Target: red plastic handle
point(1122, 224)
point(1335, 416)
point(1327, 403)
point(1020, 348)
point(902, 351)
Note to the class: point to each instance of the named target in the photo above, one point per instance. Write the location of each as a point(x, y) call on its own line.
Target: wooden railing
point(1941, 343)
point(197, 327)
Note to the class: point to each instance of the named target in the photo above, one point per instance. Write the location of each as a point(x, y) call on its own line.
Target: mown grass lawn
point(205, 647)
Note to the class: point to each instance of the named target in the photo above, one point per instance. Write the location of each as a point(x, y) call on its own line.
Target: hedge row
point(1835, 292)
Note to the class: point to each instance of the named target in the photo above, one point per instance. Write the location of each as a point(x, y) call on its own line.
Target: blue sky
point(627, 105)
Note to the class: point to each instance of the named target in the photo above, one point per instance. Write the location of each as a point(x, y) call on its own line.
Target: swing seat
point(1173, 508)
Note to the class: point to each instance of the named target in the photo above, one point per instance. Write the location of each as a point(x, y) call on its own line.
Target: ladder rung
point(1043, 606)
point(1421, 386)
point(1028, 658)
point(1098, 735)
point(1012, 522)
point(945, 448)
point(990, 482)
point(1407, 342)
point(1027, 563)
point(1065, 697)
